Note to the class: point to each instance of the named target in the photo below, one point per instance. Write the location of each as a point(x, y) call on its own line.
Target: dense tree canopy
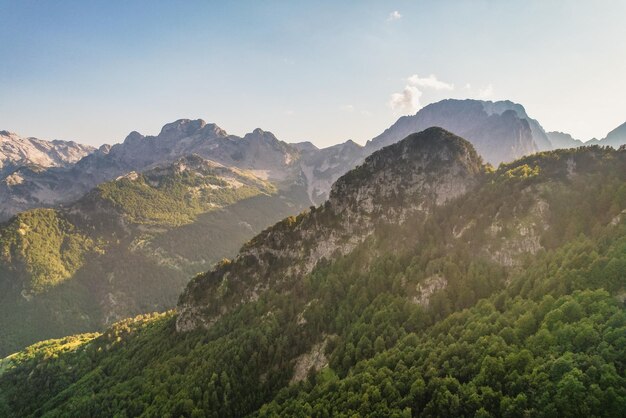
point(420, 320)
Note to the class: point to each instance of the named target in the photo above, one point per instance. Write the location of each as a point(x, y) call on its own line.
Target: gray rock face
point(564, 140)
point(17, 151)
point(322, 167)
point(616, 138)
point(500, 131)
point(415, 175)
point(31, 171)
point(258, 152)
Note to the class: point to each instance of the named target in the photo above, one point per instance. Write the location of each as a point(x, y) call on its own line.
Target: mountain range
point(48, 174)
point(87, 231)
point(427, 284)
point(17, 151)
point(128, 246)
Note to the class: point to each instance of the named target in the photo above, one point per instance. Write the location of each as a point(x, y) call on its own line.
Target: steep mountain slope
point(127, 247)
point(500, 131)
point(30, 170)
point(561, 140)
point(502, 296)
point(405, 179)
point(17, 151)
point(258, 152)
point(322, 167)
point(616, 138)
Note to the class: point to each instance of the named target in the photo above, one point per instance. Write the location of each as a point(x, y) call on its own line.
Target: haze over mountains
point(128, 246)
point(153, 211)
point(428, 284)
point(17, 151)
point(500, 131)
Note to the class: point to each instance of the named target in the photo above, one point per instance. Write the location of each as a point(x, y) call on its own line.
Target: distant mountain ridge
point(128, 246)
point(259, 152)
point(427, 285)
point(501, 131)
point(615, 138)
point(17, 151)
point(423, 171)
point(564, 140)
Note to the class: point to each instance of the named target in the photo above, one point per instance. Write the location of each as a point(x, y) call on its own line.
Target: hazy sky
point(93, 71)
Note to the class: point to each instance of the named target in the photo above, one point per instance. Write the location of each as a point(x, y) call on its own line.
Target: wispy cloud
point(408, 100)
point(429, 82)
point(486, 93)
point(395, 15)
point(347, 108)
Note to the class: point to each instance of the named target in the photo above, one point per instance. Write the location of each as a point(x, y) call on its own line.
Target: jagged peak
point(490, 107)
point(305, 146)
point(414, 176)
point(183, 126)
point(430, 145)
point(132, 137)
point(619, 130)
point(260, 134)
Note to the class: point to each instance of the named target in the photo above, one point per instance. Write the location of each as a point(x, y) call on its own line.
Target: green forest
point(127, 247)
point(444, 316)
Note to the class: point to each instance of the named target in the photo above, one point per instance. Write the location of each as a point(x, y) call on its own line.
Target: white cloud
point(430, 82)
point(408, 101)
point(468, 86)
point(347, 108)
point(395, 15)
point(486, 93)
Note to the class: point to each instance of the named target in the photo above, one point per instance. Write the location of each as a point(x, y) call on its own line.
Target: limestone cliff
point(412, 176)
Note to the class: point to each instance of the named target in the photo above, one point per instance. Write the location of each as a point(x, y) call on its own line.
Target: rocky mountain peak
point(616, 137)
point(260, 135)
point(16, 151)
point(182, 128)
point(420, 168)
point(133, 138)
point(501, 131)
point(564, 140)
point(410, 177)
point(305, 146)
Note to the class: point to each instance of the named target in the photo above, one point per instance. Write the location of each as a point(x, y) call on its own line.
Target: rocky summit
point(500, 131)
point(17, 151)
point(423, 171)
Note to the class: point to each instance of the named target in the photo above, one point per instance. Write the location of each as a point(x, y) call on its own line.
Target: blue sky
point(93, 71)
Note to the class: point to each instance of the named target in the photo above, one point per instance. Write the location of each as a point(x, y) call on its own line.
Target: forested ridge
point(127, 247)
point(506, 301)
